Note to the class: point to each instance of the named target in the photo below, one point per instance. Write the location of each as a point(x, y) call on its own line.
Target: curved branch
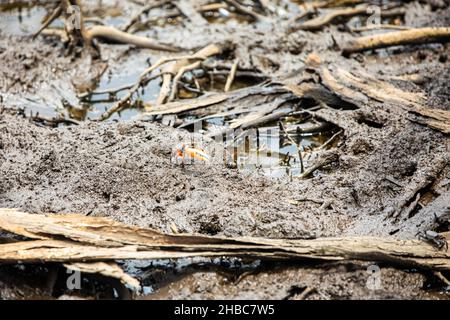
point(113, 34)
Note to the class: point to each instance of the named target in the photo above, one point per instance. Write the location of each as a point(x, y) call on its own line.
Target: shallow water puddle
point(96, 103)
point(272, 153)
point(267, 148)
point(21, 18)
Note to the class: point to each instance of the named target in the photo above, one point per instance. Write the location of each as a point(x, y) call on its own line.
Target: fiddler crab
point(188, 154)
point(434, 238)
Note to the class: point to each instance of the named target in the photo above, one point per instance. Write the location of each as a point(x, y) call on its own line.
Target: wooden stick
point(380, 26)
point(412, 36)
point(231, 76)
point(55, 14)
point(299, 147)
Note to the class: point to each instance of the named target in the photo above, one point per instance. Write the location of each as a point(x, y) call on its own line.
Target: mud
point(121, 168)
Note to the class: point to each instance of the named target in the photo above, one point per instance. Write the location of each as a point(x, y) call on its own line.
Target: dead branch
point(411, 195)
point(55, 14)
point(322, 161)
point(331, 140)
point(412, 36)
point(144, 10)
point(100, 239)
point(142, 80)
point(119, 105)
point(188, 104)
point(442, 278)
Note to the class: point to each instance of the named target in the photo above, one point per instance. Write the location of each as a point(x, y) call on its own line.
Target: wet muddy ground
point(56, 156)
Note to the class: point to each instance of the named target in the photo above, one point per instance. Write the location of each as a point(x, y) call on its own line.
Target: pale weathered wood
point(100, 239)
point(384, 40)
point(434, 118)
point(108, 269)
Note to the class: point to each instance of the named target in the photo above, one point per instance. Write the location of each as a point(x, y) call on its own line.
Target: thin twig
point(299, 147)
point(329, 141)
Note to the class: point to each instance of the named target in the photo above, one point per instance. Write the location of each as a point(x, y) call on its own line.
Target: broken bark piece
point(384, 40)
point(435, 118)
point(422, 181)
point(379, 90)
point(108, 269)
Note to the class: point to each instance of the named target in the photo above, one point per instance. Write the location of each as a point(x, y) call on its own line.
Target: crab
point(184, 154)
point(434, 238)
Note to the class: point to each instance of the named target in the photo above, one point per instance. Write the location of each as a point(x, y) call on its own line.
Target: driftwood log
point(75, 238)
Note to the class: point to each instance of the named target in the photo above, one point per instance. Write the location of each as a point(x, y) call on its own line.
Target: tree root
point(181, 66)
point(412, 36)
point(342, 14)
point(115, 35)
point(80, 35)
